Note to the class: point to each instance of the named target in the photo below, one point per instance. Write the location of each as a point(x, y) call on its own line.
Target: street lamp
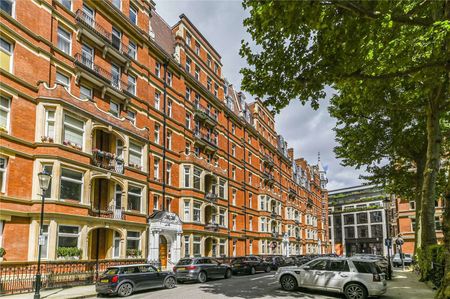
point(44, 181)
point(388, 244)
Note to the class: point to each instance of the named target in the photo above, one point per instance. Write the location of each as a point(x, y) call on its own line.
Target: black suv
point(249, 265)
point(126, 279)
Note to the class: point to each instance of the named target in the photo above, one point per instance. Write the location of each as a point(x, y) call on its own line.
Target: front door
point(163, 251)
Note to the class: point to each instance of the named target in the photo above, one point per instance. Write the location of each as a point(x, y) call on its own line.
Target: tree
point(303, 46)
point(378, 131)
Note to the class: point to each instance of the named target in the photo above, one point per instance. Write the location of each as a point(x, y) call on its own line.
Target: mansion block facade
point(152, 153)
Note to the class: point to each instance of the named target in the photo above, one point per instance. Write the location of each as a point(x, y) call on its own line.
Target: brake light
point(174, 269)
point(114, 279)
point(191, 267)
point(376, 277)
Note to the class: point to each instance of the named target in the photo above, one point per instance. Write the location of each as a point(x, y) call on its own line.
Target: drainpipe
point(228, 187)
point(245, 195)
point(164, 139)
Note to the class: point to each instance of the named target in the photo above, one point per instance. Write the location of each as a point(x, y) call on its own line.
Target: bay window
point(135, 157)
point(134, 198)
point(196, 246)
point(68, 236)
point(73, 131)
point(187, 174)
point(133, 240)
point(187, 210)
point(196, 211)
point(50, 124)
point(197, 174)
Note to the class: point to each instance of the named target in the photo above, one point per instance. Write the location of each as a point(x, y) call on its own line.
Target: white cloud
point(306, 130)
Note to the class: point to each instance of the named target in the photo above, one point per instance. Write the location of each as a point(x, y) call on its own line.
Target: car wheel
point(170, 283)
point(201, 277)
point(126, 289)
point(267, 270)
point(228, 273)
point(252, 271)
point(288, 282)
point(355, 291)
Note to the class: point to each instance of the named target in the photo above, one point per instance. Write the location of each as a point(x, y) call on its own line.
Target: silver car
point(355, 278)
point(397, 260)
point(200, 269)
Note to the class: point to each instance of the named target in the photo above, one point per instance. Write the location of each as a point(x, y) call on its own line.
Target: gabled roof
point(163, 33)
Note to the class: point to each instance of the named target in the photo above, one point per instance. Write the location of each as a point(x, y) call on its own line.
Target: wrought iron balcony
point(205, 140)
point(111, 212)
point(107, 161)
point(212, 197)
point(268, 178)
point(205, 114)
point(275, 234)
point(268, 161)
point(104, 36)
point(88, 65)
point(292, 193)
point(212, 226)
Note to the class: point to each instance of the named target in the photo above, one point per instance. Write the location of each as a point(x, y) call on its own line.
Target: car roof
point(130, 265)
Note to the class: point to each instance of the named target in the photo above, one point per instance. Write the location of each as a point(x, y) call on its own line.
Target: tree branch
point(375, 15)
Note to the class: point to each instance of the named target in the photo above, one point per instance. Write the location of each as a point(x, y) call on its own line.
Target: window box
point(139, 167)
point(47, 139)
point(72, 145)
point(69, 253)
point(134, 253)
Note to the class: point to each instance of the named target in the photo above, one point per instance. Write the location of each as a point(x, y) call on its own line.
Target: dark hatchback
point(249, 265)
point(126, 279)
point(275, 262)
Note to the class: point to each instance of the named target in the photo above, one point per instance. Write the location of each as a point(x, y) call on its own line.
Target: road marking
point(262, 277)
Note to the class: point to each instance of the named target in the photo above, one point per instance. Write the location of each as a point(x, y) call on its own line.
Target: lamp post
point(44, 181)
point(388, 244)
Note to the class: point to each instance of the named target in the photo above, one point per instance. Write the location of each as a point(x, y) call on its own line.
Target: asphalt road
point(244, 286)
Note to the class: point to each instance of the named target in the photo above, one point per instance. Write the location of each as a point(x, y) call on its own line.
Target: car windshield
point(183, 262)
point(111, 271)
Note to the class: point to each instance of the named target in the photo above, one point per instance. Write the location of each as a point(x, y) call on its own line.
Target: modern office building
point(358, 218)
point(152, 153)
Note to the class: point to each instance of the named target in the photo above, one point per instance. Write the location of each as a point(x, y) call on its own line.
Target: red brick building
point(152, 152)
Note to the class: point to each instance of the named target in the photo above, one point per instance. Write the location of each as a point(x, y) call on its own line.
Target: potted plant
point(2, 253)
point(134, 253)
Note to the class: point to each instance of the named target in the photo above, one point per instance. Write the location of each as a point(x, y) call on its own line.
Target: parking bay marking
point(262, 277)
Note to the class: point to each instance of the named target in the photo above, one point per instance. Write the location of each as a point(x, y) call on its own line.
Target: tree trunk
point(432, 163)
point(444, 290)
point(418, 199)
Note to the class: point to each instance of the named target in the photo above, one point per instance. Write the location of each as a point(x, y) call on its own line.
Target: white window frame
point(79, 182)
point(132, 84)
point(157, 100)
point(45, 234)
point(64, 39)
point(13, 7)
point(199, 209)
point(135, 152)
point(9, 51)
point(156, 162)
point(83, 94)
point(68, 234)
point(135, 12)
point(156, 133)
point(114, 108)
point(155, 202)
point(50, 122)
point(169, 139)
point(135, 194)
point(4, 171)
point(116, 250)
point(69, 1)
point(168, 173)
point(134, 239)
point(74, 128)
point(66, 84)
point(169, 78)
point(187, 210)
point(169, 108)
point(188, 120)
point(7, 110)
point(132, 49)
point(187, 176)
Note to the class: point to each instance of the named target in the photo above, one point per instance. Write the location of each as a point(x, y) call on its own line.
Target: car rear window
point(237, 260)
point(183, 262)
point(365, 267)
point(111, 271)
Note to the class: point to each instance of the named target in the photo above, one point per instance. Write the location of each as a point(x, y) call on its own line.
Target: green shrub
point(2, 251)
point(431, 264)
point(134, 252)
point(68, 252)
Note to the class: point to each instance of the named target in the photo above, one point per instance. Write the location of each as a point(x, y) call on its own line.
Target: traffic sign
point(387, 242)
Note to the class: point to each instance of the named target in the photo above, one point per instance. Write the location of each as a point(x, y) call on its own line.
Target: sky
point(306, 130)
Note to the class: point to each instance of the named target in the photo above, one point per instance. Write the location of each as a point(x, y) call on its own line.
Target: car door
point(132, 274)
point(150, 276)
point(337, 274)
point(314, 275)
point(220, 268)
point(209, 267)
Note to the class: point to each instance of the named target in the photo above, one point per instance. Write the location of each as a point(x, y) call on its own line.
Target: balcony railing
point(208, 139)
point(268, 177)
point(268, 161)
point(107, 161)
point(211, 197)
point(292, 192)
point(212, 226)
point(111, 213)
point(114, 80)
point(205, 113)
point(100, 31)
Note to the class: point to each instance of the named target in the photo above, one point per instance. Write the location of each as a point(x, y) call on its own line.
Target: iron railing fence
point(20, 277)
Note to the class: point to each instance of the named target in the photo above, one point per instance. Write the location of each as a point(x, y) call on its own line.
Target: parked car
point(126, 279)
point(275, 262)
point(381, 261)
point(355, 278)
point(249, 265)
point(397, 261)
point(200, 269)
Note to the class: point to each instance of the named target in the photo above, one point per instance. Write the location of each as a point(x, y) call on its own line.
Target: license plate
point(181, 269)
point(104, 280)
point(238, 265)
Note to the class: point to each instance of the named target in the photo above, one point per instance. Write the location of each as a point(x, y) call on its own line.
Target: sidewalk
point(67, 293)
point(404, 284)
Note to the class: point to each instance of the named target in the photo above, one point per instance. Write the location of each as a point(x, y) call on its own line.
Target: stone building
point(152, 152)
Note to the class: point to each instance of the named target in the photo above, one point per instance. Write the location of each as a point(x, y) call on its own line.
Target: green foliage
point(68, 252)
point(134, 252)
point(431, 263)
point(2, 252)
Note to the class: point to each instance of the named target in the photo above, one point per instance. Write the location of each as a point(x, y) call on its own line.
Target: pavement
point(403, 285)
